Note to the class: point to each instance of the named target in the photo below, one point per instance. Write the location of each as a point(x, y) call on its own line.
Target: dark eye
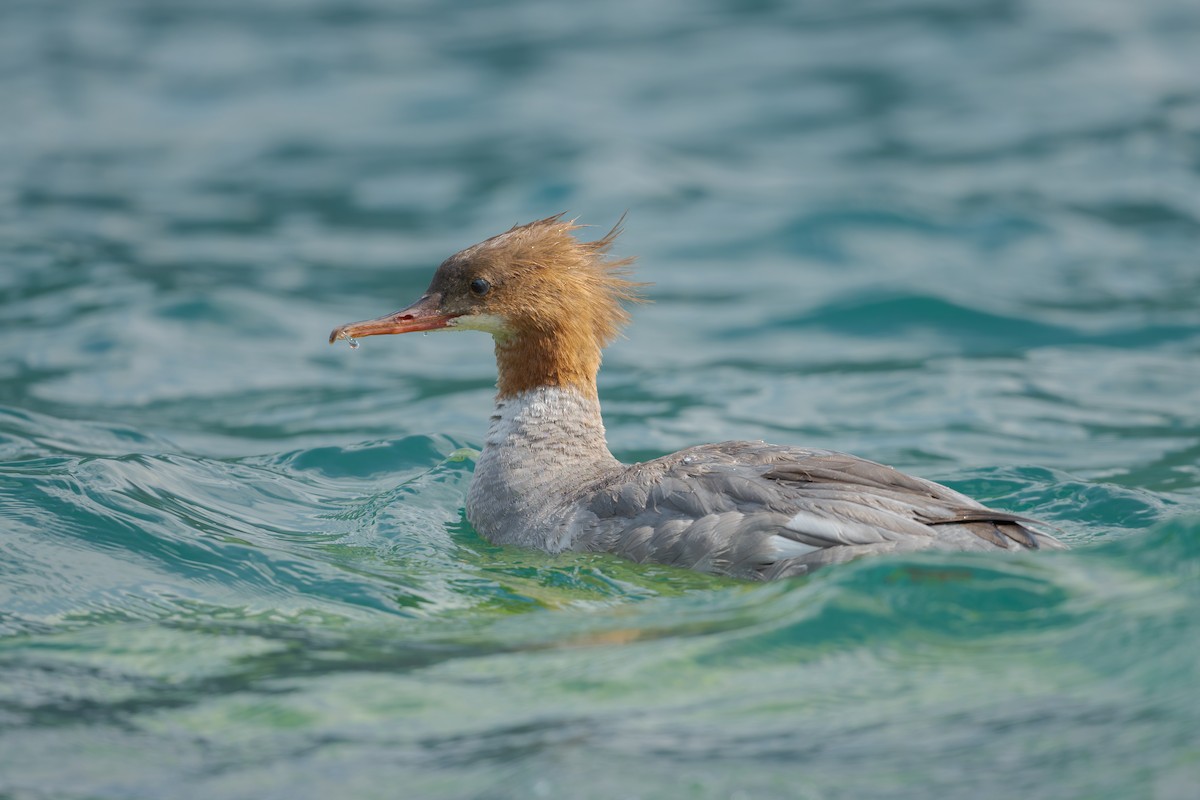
point(480, 287)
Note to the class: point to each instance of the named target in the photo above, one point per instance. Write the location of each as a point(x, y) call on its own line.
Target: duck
point(546, 479)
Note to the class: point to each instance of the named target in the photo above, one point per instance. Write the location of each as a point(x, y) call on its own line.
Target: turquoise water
point(962, 238)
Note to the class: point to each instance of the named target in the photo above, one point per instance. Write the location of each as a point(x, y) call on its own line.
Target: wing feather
point(754, 510)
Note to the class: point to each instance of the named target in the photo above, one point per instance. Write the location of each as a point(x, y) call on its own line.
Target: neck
point(544, 447)
point(537, 359)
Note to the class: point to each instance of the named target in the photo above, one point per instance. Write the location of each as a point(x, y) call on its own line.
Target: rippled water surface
point(959, 237)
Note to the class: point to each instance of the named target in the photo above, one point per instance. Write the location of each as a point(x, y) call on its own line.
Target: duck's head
point(550, 301)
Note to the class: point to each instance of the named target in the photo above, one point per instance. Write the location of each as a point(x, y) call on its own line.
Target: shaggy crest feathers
point(567, 303)
point(566, 282)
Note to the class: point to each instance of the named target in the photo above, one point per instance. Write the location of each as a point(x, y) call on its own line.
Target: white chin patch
point(488, 323)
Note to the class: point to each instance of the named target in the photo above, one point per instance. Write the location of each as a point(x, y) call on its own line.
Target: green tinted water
point(959, 238)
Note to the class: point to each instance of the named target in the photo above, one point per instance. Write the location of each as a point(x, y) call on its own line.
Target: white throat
point(544, 448)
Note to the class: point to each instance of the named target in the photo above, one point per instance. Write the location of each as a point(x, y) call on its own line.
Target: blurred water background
point(958, 236)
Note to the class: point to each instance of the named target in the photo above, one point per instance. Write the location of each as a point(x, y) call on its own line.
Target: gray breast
point(761, 511)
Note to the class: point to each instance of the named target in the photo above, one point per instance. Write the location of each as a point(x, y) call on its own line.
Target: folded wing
point(761, 511)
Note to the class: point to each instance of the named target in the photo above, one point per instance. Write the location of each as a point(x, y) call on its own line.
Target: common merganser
point(546, 479)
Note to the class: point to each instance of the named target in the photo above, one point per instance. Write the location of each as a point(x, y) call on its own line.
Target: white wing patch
point(833, 530)
point(789, 548)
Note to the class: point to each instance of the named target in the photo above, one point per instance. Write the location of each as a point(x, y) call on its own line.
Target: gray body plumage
point(546, 479)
